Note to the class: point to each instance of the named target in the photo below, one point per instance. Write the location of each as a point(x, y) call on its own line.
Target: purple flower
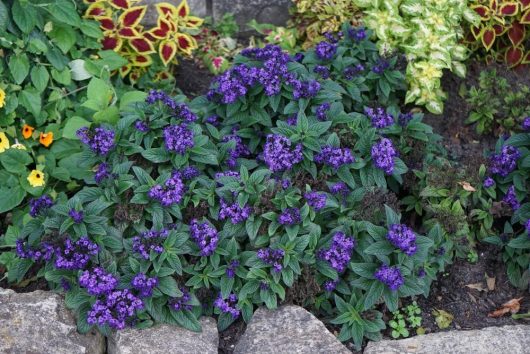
point(240, 149)
point(290, 216)
point(286, 183)
point(75, 255)
point(40, 204)
point(144, 284)
point(97, 281)
point(65, 284)
point(205, 237)
point(171, 192)
point(402, 237)
point(228, 306)
point(338, 254)
point(315, 200)
point(102, 173)
point(383, 154)
point(325, 50)
point(77, 216)
point(141, 126)
point(178, 138)
point(322, 70)
point(219, 175)
point(380, 67)
point(280, 154)
point(322, 111)
point(231, 268)
point(526, 124)
point(357, 34)
point(190, 172)
point(159, 95)
point(421, 272)
point(44, 252)
point(298, 57)
point(182, 111)
point(380, 119)
point(351, 71)
point(148, 241)
point(330, 37)
point(181, 303)
point(305, 89)
point(511, 198)
point(390, 276)
point(292, 120)
point(234, 212)
point(213, 120)
point(100, 141)
point(334, 157)
point(115, 310)
point(272, 257)
point(405, 118)
point(340, 188)
point(330, 285)
point(505, 162)
point(527, 227)
point(488, 182)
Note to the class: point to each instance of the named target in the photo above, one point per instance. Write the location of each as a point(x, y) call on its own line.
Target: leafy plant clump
point(503, 32)
point(216, 206)
point(428, 32)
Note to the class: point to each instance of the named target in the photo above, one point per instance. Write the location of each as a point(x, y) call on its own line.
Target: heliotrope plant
point(218, 206)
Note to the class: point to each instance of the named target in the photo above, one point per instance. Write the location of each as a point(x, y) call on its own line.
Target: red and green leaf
point(106, 23)
point(128, 32)
point(513, 56)
point(124, 70)
point(185, 43)
point(166, 10)
point(193, 22)
point(509, 9)
point(163, 29)
point(132, 16)
point(493, 5)
point(476, 31)
point(526, 58)
point(488, 37)
point(141, 45)
point(120, 4)
point(482, 11)
point(525, 18)
point(516, 33)
point(110, 42)
point(141, 60)
point(183, 10)
point(525, 4)
point(499, 29)
point(97, 9)
point(167, 51)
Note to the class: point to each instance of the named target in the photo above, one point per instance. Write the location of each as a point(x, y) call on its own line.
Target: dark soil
point(192, 79)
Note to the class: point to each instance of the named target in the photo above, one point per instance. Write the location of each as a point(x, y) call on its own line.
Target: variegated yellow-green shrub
point(429, 33)
point(123, 32)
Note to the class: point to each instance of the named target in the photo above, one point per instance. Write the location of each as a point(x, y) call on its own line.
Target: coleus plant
point(503, 31)
point(227, 203)
point(429, 34)
point(123, 32)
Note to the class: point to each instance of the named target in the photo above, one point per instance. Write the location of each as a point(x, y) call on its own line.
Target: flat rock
point(38, 322)
point(166, 339)
point(197, 8)
point(491, 340)
point(288, 329)
point(263, 11)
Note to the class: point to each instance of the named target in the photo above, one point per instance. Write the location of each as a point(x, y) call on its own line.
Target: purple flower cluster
point(77, 216)
point(141, 126)
point(102, 173)
point(178, 138)
point(171, 192)
point(228, 306)
point(231, 268)
point(38, 205)
point(316, 200)
point(292, 120)
point(100, 140)
point(322, 70)
point(402, 237)
point(148, 241)
point(272, 257)
point(305, 89)
point(511, 199)
point(290, 216)
point(383, 154)
point(488, 182)
point(505, 162)
point(338, 254)
point(322, 111)
point(44, 252)
point(240, 150)
point(274, 69)
point(75, 255)
point(234, 212)
point(144, 284)
point(340, 188)
point(280, 154)
point(330, 285)
point(115, 310)
point(299, 57)
point(325, 50)
point(527, 227)
point(190, 172)
point(352, 71)
point(213, 120)
point(97, 281)
point(380, 119)
point(159, 95)
point(334, 157)
point(219, 175)
point(526, 124)
point(357, 34)
point(205, 237)
point(232, 84)
point(405, 118)
point(181, 303)
point(380, 67)
point(183, 112)
point(390, 276)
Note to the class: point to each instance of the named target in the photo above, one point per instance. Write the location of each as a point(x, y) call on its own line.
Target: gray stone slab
point(166, 339)
point(491, 340)
point(263, 11)
point(197, 8)
point(287, 330)
point(38, 322)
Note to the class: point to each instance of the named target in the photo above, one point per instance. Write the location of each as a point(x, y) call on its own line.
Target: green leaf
point(63, 36)
point(15, 160)
point(91, 29)
point(19, 67)
point(73, 125)
point(79, 73)
point(391, 216)
point(65, 12)
point(187, 320)
point(31, 100)
point(128, 98)
point(4, 16)
point(40, 77)
point(109, 115)
point(12, 197)
point(24, 17)
point(169, 286)
point(379, 248)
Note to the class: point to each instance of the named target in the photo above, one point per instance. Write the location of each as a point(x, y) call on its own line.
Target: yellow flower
point(18, 146)
point(2, 98)
point(36, 178)
point(46, 139)
point(4, 142)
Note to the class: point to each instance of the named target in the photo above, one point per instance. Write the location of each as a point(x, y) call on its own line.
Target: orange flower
point(27, 131)
point(46, 139)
